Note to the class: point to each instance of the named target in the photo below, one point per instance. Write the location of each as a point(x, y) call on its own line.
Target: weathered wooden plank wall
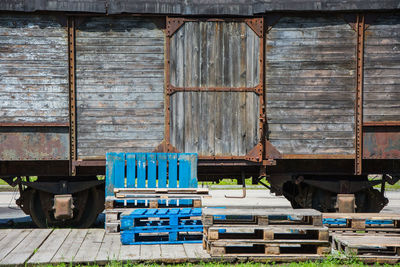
point(382, 69)
point(214, 54)
point(33, 69)
point(120, 85)
point(310, 85)
point(214, 123)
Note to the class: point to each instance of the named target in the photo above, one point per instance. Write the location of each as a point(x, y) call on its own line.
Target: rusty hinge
point(257, 25)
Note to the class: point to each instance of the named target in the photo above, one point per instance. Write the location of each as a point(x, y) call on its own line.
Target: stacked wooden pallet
point(373, 248)
point(260, 232)
point(161, 226)
point(368, 222)
point(127, 200)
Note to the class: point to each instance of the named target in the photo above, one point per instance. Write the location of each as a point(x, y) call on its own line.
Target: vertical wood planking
point(172, 172)
point(130, 170)
point(151, 170)
point(218, 36)
point(162, 170)
point(115, 172)
point(141, 170)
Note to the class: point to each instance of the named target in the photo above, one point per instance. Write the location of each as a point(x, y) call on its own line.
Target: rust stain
point(381, 145)
point(33, 146)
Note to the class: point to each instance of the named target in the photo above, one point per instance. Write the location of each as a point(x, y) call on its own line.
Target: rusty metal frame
point(173, 24)
point(72, 94)
point(381, 123)
point(359, 94)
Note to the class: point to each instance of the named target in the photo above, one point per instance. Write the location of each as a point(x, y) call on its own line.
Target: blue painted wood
point(115, 174)
point(141, 170)
point(172, 170)
point(162, 170)
point(132, 238)
point(164, 217)
point(151, 170)
point(130, 170)
point(184, 174)
point(172, 173)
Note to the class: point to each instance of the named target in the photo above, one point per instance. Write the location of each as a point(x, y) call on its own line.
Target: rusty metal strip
point(359, 93)
point(262, 111)
point(256, 89)
point(318, 156)
point(34, 124)
point(257, 25)
point(381, 123)
point(72, 93)
point(167, 108)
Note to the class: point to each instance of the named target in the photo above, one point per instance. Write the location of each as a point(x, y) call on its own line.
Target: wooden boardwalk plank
point(109, 249)
point(90, 246)
point(129, 253)
point(13, 238)
point(50, 247)
point(173, 252)
point(195, 251)
point(150, 252)
point(4, 233)
point(71, 245)
point(26, 247)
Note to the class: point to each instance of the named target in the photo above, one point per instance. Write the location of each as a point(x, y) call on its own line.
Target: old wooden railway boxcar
point(305, 93)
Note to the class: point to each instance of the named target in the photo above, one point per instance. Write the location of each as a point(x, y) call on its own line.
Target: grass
point(329, 261)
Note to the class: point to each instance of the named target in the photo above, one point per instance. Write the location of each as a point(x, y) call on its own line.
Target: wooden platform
point(376, 222)
point(41, 246)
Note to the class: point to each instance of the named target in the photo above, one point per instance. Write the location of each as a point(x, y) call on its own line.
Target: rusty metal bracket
point(359, 93)
point(369, 19)
point(173, 24)
point(165, 146)
point(255, 154)
point(271, 152)
point(257, 25)
point(72, 93)
point(243, 188)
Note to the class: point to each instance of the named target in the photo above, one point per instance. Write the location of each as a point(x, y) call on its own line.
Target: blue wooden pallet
point(151, 170)
point(175, 236)
point(156, 218)
point(343, 222)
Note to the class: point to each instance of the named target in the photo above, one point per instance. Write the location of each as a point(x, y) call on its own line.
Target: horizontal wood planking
point(214, 54)
point(120, 85)
point(33, 69)
point(215, 123)
point(382, 69)
point(310, 85)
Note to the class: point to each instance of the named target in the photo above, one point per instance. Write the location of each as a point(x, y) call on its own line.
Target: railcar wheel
point(85, 211)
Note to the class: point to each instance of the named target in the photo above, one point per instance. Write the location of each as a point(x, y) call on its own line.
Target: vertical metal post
point(167, 83)
point(262, 119)
point(359, 93)
point(72, 93)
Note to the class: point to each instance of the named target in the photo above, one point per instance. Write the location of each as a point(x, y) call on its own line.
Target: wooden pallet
point(389, 222)
point(252, 232)
point(113, 217)
point(367, 244)
point(261, 217)
point(250, 248)
point(154, 201)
